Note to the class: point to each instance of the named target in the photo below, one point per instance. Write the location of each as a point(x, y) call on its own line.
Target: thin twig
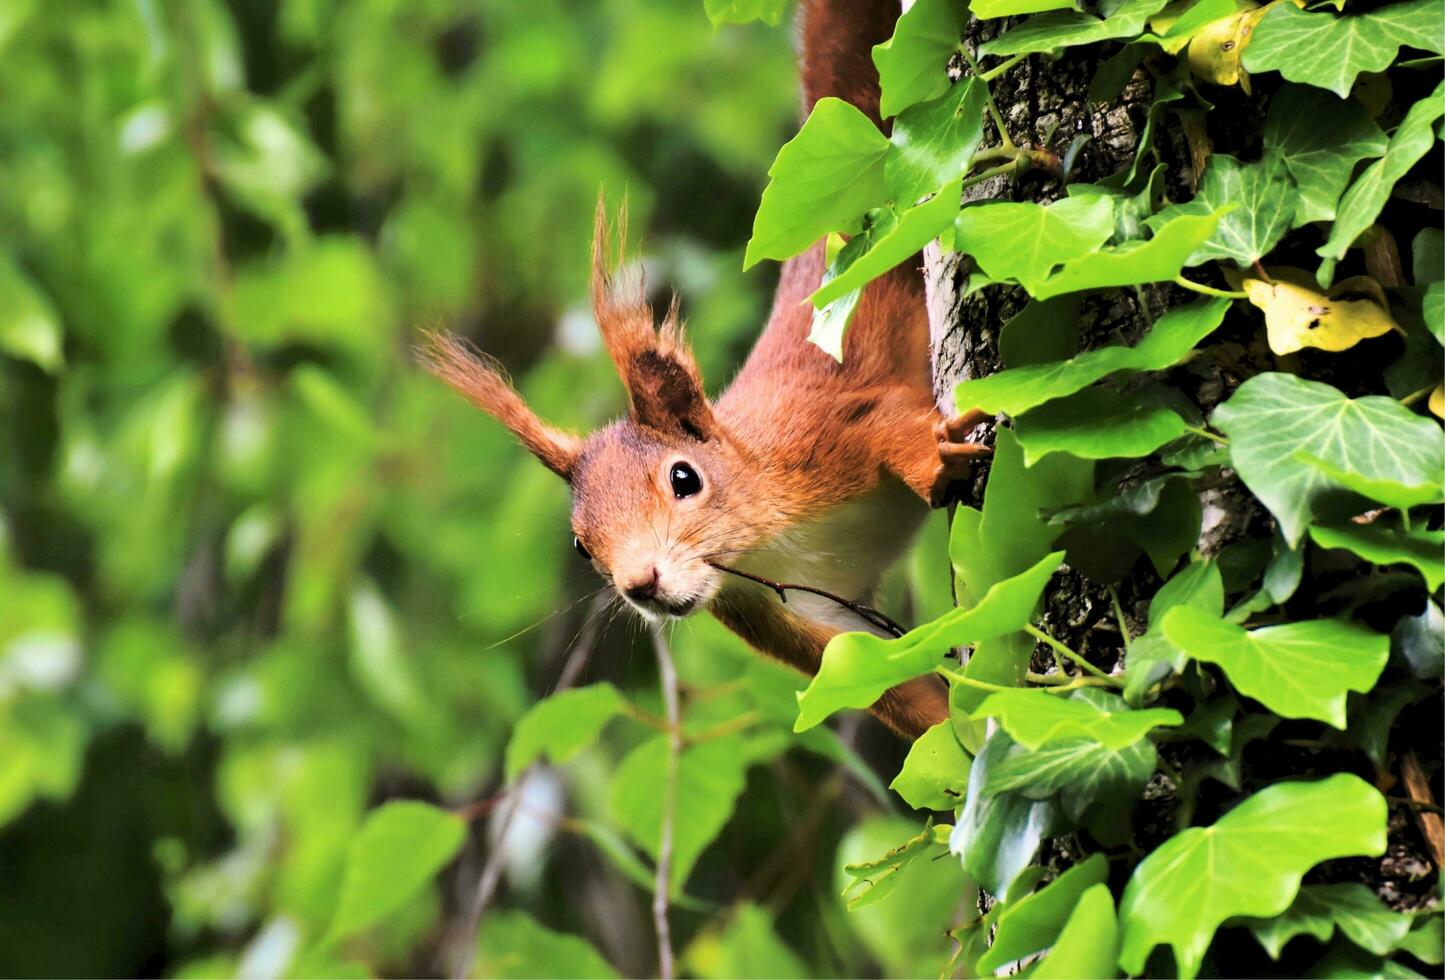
point(667, 677)
point(870, 615)
point(466, 934)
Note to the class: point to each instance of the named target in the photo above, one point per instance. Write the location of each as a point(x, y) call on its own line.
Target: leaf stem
point(1064, 683)
point(1204, 433)
point(988, 97)
point(958, 678)
point(1058, 647)
point(1119, 615)
point(1199, 287)
point(998, 70)
point(1002, 170)
point(1415, 396)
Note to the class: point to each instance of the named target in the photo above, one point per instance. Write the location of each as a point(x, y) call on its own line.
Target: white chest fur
point(844, 551)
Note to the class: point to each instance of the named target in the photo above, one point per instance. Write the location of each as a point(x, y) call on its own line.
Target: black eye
point(581, 548)
point(684, 479)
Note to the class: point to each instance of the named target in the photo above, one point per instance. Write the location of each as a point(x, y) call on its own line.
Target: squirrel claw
point(955, 456)
point(957, 428)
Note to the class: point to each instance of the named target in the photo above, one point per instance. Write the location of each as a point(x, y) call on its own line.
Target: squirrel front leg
point(928, 452)
point(765, 624)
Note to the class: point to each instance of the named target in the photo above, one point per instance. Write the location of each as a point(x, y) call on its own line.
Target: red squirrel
point(804, 470)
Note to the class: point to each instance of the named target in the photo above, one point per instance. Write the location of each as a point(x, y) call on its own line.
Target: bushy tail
point(837, 50)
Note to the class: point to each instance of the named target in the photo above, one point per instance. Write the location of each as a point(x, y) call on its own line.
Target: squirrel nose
point(645, 589)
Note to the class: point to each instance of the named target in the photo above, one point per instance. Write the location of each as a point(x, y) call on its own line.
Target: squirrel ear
point(481, 381)
point(663, 384)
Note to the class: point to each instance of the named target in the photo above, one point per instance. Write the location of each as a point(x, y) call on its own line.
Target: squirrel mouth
point(665, 607)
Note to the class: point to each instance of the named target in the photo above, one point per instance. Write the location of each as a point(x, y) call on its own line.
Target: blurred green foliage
point(257, 572)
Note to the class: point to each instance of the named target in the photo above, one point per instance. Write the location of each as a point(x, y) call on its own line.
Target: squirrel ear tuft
point(663, 384)
point(480, 380)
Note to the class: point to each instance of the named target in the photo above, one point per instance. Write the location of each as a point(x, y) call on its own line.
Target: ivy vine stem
point(998, 70)
point(1199, 287)
point(1062, 648)
point(1119, 615)
point(988, 97)
point(1204, 433)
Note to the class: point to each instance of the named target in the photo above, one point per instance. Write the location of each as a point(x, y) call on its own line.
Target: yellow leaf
point(1436, 404)
point(1297, 314)
point(1215, 48)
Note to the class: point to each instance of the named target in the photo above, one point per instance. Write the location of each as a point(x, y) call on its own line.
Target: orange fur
point(799, 467)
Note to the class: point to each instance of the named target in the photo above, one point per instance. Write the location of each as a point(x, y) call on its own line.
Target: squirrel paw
point(957, 457)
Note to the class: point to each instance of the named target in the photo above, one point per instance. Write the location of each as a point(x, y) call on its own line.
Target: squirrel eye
point(581, 548)
point(684, 479)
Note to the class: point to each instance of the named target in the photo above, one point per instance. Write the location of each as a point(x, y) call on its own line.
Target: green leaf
point(710, 778)
point(1079, 771)
point(1426, 939)
point(1089, 942)
point(1391, 493)
point(378, 660)
point(913, 63)
point(935, 774)
point(746, 947)
point(1160, 259)
point(391, 859)
point(882, 875)
point(1033, 718)
point(745, 11)
point(1266, 199)
point(1318, 909)
point(1098, 423)
point(824, 179)
point(989, 9)
point(1043, 331)
point(902, 239)
point(1418, 642)
point(1298, 670)
point(1327, 51)
point(1025, 242)
point(1379, 545)
point(1055, 31)
point(1366, 197)
point(1273, 419)
point(1016, 390)
point(1033, 922)
point(514, 946)
point(1320, 158)
point(1152, 657)
point(562, 725)
point(858, 667)
point(1248, 863)
point(29, 326)
point(934, 143)
point(997, 834)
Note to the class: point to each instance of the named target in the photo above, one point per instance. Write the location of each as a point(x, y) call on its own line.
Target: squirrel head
point(656, 494)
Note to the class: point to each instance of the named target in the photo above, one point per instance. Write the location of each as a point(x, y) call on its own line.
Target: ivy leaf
point(1419, 546)
point(997, 834)
point(1298, 315)
point(513, 944)
point(1274, 419)
point(883, 874)
point(1248, 863)
point(710, 778)
point(1025, 242)
point(398, 849)
point(1327, 51)
point(935, 774)
point(29, 326)
point(1098, 423)
point(1318, 909)
point(1215, 48)
point(1266, 199)
point(1080, 771)
point(1320, 158)
point(914, 229)
point(989, 9)
point(933, 143)
point(858, 667)
point(1034, 718)
point(1391, 493)
point(744, 11)
point(1366, 197)
point(1016, 390)
point(1033, 922)
point(1089, 943)
point(1160, 259)
point(824, 179)
point(913, 63)
point(1053, 32)
point(831, 321)
point(1418, 642)
point(1298, 670)
point(562, 725)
